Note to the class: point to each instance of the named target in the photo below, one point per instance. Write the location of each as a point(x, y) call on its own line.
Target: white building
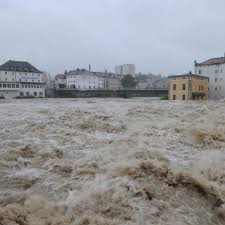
point(125, 69)
point(214, 69)
point(21, 79)
point(60, 81)
point(82, 79)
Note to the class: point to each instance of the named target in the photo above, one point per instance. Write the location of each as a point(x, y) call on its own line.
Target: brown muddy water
point(112, 162)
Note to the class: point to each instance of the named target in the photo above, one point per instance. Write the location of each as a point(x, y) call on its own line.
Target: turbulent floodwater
point(112, 162)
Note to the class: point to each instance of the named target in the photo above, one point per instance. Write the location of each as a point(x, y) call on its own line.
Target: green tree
point(128, 81)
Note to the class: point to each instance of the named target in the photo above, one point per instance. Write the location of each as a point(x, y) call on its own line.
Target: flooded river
point(134, 161)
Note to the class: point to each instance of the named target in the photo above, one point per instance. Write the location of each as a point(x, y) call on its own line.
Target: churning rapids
point(112, 162)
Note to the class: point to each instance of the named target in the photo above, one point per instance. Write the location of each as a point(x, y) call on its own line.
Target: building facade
point(21, 79)
point(188, 87)
point(113, 84)
point(60, 81)
point(125, 69)
point(161, 83)
point(214, 69)
point(82, 79)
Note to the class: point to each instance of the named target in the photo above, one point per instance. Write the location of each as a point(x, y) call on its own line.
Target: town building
point(60, 81)
point(82, 79)
point(113, 84)
point(161, 83)
point(125, 69)
point(21, 79)
point(214, 69)
point(188, 87)
point(143, 85)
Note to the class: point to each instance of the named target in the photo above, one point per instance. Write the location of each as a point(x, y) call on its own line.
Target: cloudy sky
point(159, 36)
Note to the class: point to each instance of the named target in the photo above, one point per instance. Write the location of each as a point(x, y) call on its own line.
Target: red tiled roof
point(212, 61)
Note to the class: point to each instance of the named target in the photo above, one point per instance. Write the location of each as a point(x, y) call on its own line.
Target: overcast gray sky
point(159, 36)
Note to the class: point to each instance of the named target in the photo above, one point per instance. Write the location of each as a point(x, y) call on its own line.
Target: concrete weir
point(71, 93)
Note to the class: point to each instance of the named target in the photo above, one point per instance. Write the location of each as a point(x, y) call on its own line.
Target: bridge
point(124, 93)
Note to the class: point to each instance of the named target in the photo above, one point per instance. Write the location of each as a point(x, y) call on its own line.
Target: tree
point(128, 81)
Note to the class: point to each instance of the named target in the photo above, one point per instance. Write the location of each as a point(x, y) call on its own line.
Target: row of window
point(40, 94)
point(184, 97)
point(175, 87)
point(32, 86)
point(19, 73)
point(24, 80)
point(79, 87)
point(201, 87)
point(216, 71)
point(9, 85)
point(4, 85)
point(217, 88)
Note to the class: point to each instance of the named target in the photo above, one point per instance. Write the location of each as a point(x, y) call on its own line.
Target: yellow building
point(188, 87)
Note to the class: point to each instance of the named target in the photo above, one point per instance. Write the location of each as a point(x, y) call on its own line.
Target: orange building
point(188, 87)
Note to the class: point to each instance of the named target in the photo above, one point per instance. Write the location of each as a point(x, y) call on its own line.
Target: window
point(8, 85)
point(174, 87)
point(199, 88)
point(183, 97)
point(5, 72)
point(184, 87)
point(4, 85)
point(216, 79)
point(216, 71)
point(202, 87)
point(40, 94)
point(0, 85)
point(200, 72)
point(13, 85)
point(35, 93)
point(27, 93)
point(215, 88)
point(17, 85)
point(174, 97)
point(21, 94)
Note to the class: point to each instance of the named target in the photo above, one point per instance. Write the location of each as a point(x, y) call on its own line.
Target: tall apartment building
point(214, 69)
point(125, 69)
point(21, 79)
point(188, 87)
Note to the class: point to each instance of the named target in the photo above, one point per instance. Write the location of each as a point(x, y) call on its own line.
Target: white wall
point(216, 74)
point(85, 82)
point(32, 83)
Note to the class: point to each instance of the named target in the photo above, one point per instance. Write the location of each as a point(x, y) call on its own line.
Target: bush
point(164, 97)
point(2, 97)
point(24, 97)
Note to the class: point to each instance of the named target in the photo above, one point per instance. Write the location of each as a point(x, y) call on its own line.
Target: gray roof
point(188, 75)
point(19, 66)
point(213, 61)
point(79, 72)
